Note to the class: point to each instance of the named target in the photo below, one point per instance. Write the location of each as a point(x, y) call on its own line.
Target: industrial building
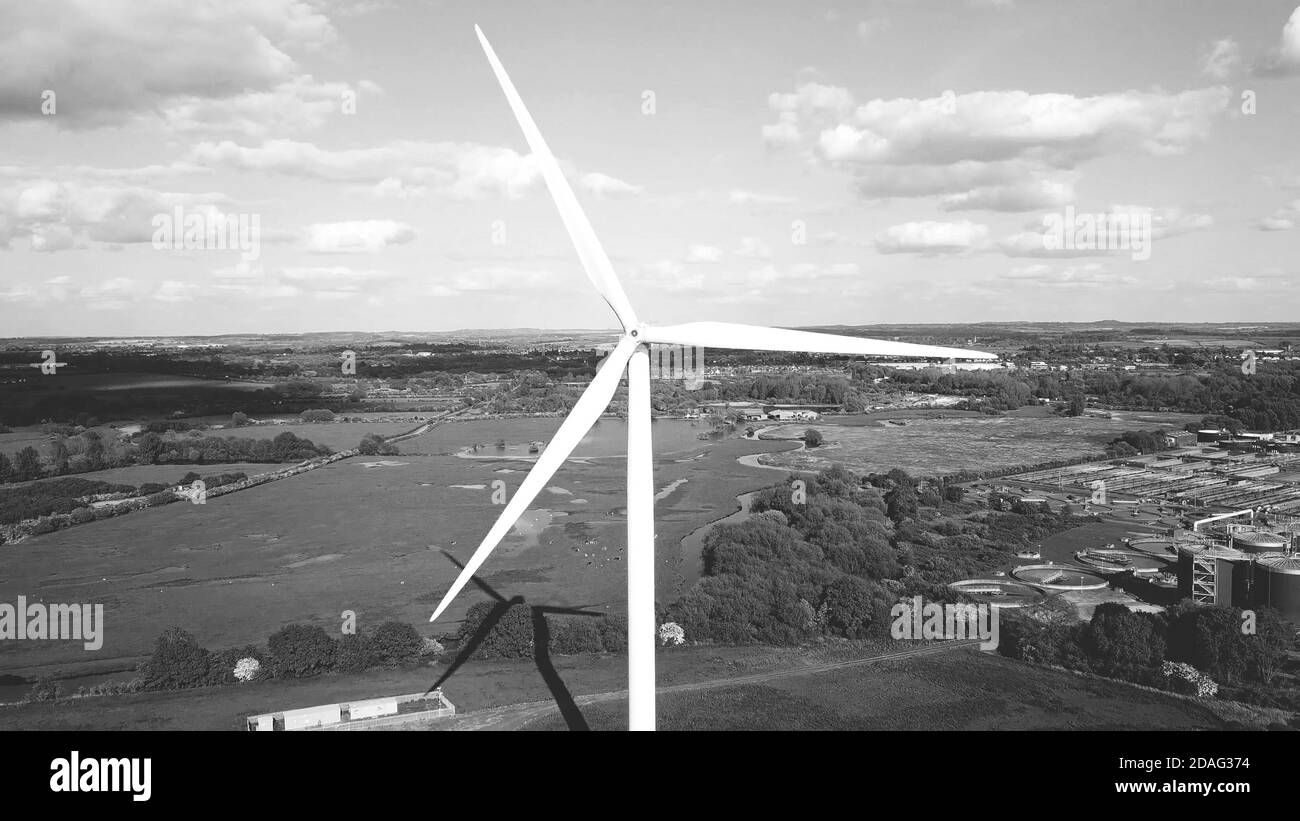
point(337, 716)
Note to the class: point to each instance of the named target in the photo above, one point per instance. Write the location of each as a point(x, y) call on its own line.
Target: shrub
point(812, 438)
point(247, 669)
point(165, 497)
point(82, 515)
point(396, 643)
point(1186, 679)
point(354, 653)
point(576, 634)
point(613, 634)
point(46, 688)
point(177, 662)
point(510, 637)
point(223, 665)
point(671, 633)
point(150, 488)
point(300, 651)
point(431, 647)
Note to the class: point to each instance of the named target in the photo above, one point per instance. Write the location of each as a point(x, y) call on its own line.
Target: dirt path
point(516, 716)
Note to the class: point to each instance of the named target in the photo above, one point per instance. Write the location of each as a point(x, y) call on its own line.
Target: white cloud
point(1284, 60)
point(927, 237)
point(741, 197)
point(65, 213)
point(1283, 219)
point(298, 104)
point(703, 253)
point(457, 170)
point(360, 236)
point(111, 60)
point(1025, 196)
point(995, 150)
point(603, 185)
point(1221, 58)
point(1117, 230)
point(867, 29)
point(1089, 275)
point(753, 248)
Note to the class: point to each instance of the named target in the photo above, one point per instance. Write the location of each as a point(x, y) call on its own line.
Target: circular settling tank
point(1258, 542)
point(1001, 592)
point(1059, 577)
point(1156, 547)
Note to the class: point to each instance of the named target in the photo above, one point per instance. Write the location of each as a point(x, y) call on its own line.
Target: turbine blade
point(594, 260)
point(759, 338)
point(584, 414)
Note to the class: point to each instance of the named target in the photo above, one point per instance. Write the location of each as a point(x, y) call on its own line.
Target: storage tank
point(1214, 575)
point(1207, 436)
point(1277, 584)
point(1258, 541)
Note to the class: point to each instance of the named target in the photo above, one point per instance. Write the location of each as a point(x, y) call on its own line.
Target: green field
point(348, 536)
point(938, 446)
point(335, 435)
point(961, 690)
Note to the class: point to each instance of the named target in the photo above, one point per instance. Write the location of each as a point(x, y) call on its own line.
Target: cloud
point(994, 150)
point(298, 104)
point(1221, 58)
point(667, 275)
point(112, 60)
point(1283, 60)
point(1283, 219)
point(1089, 275)
point(602, 186)
point(1117, 230)
point(753, 248)
point(361, 236)
point(867, 29)
point(456, 170)
point(65, 213)
point(1266, 283)
point(1026, 196)
point(741, 197)
point(929, 237)
point(703, 253)
point(505, 282)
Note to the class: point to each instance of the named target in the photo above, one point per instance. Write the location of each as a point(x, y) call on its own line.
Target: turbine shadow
point(541, 646)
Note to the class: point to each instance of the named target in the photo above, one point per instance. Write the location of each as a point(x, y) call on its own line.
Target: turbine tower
point(632, 353)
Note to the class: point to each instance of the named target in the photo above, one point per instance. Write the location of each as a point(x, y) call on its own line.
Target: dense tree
point(510, 637)
point(396, 643)
point(27, 465)
point(1122, 643)
point(812, 438)
point(300, 651)
point(853, 605)
point(177, 661)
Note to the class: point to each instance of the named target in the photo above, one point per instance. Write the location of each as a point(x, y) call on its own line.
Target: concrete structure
point(1209, 574)
point(329, 716)
point(1277, 584)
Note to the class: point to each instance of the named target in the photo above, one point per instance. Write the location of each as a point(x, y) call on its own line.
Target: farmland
point(938, 446)
point(364, 534)
point(961, 690)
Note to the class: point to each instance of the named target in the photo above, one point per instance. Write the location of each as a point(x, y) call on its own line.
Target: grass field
point(962, 690)
point(937, 446)
point(336, 435)
point(349, 536)
point(957, 690)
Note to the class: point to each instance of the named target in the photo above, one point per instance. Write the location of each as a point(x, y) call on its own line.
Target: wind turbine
point(631, 352)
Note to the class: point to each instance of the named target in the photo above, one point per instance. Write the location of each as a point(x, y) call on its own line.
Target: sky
point(785, 163)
